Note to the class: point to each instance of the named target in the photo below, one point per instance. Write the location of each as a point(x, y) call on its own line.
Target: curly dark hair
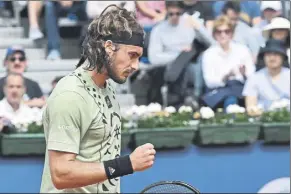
point(112, 21)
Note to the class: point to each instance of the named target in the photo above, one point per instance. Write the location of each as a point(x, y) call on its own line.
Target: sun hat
point(276, 23)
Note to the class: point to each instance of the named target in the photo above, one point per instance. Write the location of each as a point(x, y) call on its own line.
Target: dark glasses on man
point(228, 31)
point(171, 14)
point(13, 59)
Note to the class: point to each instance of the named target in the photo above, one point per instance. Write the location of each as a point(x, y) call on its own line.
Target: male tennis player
point(82, 122)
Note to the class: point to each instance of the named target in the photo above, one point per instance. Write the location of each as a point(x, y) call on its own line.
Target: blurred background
point(205, 58)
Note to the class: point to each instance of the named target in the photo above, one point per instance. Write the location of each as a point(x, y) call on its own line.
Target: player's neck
point(98, 78)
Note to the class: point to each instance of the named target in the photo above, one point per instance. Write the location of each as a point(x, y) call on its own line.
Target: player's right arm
point(67, 172)
point(69, 121)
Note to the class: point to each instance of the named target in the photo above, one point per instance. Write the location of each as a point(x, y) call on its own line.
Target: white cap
point(276, 5)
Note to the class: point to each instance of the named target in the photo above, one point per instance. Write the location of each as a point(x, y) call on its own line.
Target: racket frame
point(173, 183)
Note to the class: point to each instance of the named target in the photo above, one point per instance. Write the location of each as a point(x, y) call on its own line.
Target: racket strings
point(169, 188)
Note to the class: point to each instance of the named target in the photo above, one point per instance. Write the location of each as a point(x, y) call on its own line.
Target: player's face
point(124, 62)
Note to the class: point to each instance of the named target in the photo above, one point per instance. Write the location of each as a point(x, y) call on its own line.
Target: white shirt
point(95, 8)
point(23, 115)
point(216, 63)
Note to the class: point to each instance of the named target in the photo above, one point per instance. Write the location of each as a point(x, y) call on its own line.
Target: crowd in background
point(221, 52)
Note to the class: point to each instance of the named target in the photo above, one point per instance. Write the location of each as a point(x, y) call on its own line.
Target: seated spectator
point(250, 11)
point(243, 33)
point(95, 8)
point(225, 67)
point(12, 108)
point(200, 9)
point(75, 10)
point(175, 35)
point(271, 83)
point(279, 29)
point(15, 62)
point(34, 9)
point(54, 83)
point(270, 10)
point(149, 13)
point(5, 13)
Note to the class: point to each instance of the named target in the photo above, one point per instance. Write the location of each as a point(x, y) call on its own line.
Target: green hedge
point(33, 143)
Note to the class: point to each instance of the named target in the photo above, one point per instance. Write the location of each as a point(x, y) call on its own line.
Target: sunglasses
point(171, 14)
point(21, 59)
point(219, 32)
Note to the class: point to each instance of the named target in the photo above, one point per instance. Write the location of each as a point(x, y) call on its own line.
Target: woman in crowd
point(270, 86)
point(225, 66)
point(278, 29)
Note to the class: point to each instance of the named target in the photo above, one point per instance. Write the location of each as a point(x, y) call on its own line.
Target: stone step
point(48, 65)
point(31, 53)
point(11, 32)
point(25, 43)
point(8, 22)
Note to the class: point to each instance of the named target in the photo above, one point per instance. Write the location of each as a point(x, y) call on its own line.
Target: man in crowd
point(15, 62)
point(75, 11)
point(272, 83)
point(243, 33)
point(270, 10)
point(201, 10)
point(250, 11)
point(175, 35)
point(12, 108)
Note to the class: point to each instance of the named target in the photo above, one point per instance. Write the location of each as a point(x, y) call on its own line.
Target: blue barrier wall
point(231, 169)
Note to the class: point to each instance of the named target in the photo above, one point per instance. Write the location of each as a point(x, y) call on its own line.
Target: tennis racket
point(170, 187)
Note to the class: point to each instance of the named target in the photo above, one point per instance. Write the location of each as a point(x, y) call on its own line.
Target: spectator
point(1, 124)
point(3, 11)
point(95, 8)
point(15, 62)
point(12, 108)
point(54, 83)
point(149, 13)
point(250, 11)
point(173, 36)
point(200, 9)
point(34, 9)
point(75, 10)
point(243, 33)
point(279, 29)
point(270, 10)
point(271, 83)
point(225, 67)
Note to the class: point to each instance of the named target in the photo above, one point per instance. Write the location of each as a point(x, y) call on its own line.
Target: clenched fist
point(143, 157)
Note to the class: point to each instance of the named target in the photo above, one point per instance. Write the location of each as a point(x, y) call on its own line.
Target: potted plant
point(23, 139)
point(165, 128)
point(276, 123)
point(126, 132)
point(232, 127)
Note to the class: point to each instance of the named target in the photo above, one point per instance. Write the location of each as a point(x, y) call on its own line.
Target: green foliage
point(34, 128)
point(222, 118)
point(280, 115)
point(161, 121)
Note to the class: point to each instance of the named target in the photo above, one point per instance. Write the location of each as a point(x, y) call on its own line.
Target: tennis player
point(82, 120)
